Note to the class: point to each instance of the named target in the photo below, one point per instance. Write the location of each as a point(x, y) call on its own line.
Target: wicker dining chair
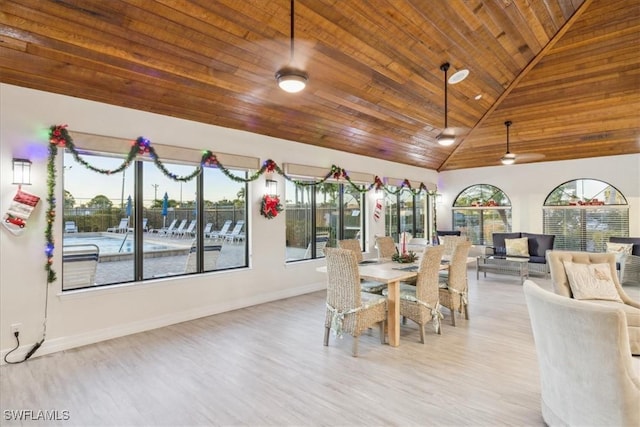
point(349, 310)
point(365, 285)
point(454, 287)
point(353, 245)
point(386, 246)
point(420, 302)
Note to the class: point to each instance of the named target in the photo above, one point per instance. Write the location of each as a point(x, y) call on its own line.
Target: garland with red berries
point(270, 207)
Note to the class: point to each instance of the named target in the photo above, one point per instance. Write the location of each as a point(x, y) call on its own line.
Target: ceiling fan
point(510, 158)
point(448, 135)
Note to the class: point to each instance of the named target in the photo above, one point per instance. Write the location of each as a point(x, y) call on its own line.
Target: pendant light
point(445, 139)
point(289, 78)
point(508, 158)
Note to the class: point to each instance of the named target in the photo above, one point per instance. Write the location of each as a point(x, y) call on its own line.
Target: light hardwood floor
point(266, 366)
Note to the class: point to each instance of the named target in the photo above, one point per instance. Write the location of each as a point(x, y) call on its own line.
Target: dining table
point(392, 273)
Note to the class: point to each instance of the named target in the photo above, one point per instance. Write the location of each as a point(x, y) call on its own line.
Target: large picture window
point(481, 210)
point(140, 224)
point(317, 215)
point(584, 213)
point(406, 212)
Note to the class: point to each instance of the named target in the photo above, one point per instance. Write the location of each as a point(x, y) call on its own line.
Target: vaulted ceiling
point(565, 72)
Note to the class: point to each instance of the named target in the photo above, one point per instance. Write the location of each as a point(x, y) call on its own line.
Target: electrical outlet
point(15, 327)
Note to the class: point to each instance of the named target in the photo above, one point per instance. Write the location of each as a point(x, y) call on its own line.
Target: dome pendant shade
point(445, 140)
point(291, 80)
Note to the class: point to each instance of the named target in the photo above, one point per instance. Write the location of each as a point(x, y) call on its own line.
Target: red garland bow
point(270, 206)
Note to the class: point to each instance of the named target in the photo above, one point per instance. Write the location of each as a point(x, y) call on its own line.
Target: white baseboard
point(72, 341)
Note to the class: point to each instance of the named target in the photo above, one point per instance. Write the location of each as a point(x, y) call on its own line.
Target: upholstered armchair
point(562, 286)
point(348, 309)
point(586, 370)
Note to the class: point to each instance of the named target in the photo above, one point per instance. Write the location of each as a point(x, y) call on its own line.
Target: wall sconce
point(22, 171)
point(272, 187)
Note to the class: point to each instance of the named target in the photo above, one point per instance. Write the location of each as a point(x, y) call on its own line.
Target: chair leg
point(355, 346)
point(466, 311)
point(404, 320)
point(453, 317)
point(382, 328)
point(326, 335)
point(422, 333)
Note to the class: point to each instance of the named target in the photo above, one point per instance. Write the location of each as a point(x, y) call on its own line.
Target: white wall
point(94, 315)
point(529, 185)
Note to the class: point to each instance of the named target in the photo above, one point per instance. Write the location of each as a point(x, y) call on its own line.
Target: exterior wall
point(93, 315)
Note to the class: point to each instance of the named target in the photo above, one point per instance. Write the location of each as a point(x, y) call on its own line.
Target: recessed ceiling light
point(478, 97)
point(458, 76)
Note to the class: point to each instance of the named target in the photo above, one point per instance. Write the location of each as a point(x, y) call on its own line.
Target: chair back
point(427, 280)
point(353, 245)
point(237, 228)
point(172, 225)
point(321, 242)
point(458, 267)
point(79, 264)
point(180, 227)
point(386, 246)
point(124, 224)
point(191, 227)
point(225, 227)
point(450, 243)
point(584, 358)
point(343, 279)
point(144, 223)
point(207, 228)
point(211, 254)
point(559, 274)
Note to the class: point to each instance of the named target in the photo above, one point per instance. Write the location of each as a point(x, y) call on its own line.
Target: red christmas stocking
point(15, 219)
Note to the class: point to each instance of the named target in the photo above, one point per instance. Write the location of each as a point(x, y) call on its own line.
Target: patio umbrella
point(128, 207)
point(165, 208)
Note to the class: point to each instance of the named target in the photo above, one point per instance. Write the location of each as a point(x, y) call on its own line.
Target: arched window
point(481, 210)
point(584, 213)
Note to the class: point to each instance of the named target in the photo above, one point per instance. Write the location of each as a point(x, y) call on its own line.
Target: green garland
point(59, 137)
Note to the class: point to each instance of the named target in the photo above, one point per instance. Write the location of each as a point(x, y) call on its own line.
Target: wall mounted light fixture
point(272, 187)
point(22, 171)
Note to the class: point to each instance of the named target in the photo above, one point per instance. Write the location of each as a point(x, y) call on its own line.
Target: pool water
point(114, 245)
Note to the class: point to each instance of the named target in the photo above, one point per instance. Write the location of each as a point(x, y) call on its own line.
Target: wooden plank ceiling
point(565, 72)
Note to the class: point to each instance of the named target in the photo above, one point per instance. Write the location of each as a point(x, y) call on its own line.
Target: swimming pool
point(116, 243)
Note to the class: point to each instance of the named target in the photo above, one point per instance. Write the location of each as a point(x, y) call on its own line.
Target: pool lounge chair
point(123, 227)
point(177, 230)
point(79, 265)
point(189, 231)
point(220, 233)
point(211, 254)
point(166, 230)
point(235, 233)
point(70, 227)
point(144, 225)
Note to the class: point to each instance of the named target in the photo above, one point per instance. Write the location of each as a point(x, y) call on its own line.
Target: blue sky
point(85, 184)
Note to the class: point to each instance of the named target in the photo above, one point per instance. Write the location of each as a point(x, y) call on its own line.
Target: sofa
point(538, 245)
point(587, 374)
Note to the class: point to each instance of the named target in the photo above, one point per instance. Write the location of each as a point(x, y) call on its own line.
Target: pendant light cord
point(292, 30)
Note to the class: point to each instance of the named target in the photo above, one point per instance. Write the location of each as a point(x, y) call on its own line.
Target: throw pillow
point(620, 249)
point(591, 281)
point(517, 247)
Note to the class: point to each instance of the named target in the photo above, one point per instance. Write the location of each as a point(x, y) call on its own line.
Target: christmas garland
point(59, 137)
point(270, 207)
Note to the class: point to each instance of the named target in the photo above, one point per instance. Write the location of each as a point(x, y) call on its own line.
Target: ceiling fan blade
point(455, 131)
point(529, 157)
